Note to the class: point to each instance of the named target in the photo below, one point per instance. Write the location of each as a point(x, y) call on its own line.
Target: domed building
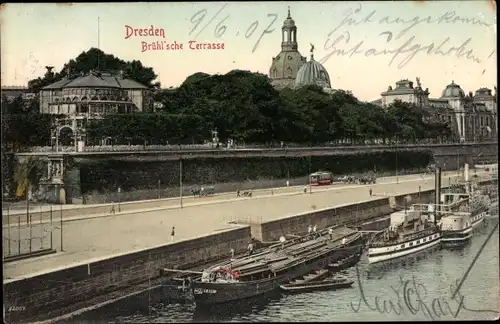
point(90, 96)
point(471, 117)
point(453, 91)
point(312, 72)
point(287, 63)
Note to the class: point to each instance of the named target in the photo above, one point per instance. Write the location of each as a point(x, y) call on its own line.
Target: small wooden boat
point(326, 284)
point(312, 277)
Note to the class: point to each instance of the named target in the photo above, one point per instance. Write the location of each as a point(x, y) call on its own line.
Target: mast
point(98, 41)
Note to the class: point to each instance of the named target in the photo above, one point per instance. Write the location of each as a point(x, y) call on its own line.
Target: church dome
point(453, 90)
point(312, 72)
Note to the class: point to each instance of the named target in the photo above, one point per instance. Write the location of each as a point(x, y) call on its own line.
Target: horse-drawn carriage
point(203, 191)
point(362, 179)
point(245, 193)
point(347, 179)
point(367, 179)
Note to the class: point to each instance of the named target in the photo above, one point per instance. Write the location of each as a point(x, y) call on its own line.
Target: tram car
point(321, 178)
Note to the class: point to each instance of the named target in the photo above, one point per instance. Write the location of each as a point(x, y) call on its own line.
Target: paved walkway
point(103, 237)
point(20, 210)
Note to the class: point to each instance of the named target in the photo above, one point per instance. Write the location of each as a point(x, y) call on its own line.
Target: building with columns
point(287, 63)
point(472, 117)
point(85, 97)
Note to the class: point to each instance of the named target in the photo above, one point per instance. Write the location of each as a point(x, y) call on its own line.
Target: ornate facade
point(287, 63)
point(472, 117)
point(89, 97)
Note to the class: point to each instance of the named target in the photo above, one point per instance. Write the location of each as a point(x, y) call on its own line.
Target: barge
point(258, 274)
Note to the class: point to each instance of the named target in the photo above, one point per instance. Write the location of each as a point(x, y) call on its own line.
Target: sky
point(365, 46)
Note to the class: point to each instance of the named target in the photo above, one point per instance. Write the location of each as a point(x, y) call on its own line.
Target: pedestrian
point(309, 230)
point(343, 241)
point(371, 192)
point(282, 240)
point(288, 183)
point(112, 208)
point(250, 248)
point(172, 234)
point(305, 189)
point(238, 193)
point(315, 234)
point(232, 253)
point(330, 232)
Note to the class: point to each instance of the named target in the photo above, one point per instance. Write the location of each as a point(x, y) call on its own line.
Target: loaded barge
point(261, 273)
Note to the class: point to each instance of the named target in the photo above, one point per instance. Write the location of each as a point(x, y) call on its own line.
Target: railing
point(141, 148)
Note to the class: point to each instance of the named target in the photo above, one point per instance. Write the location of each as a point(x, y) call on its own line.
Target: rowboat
point(328, 284)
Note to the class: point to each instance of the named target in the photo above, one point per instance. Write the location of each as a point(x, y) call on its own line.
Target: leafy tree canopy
point(95, 59)
point(245, 107)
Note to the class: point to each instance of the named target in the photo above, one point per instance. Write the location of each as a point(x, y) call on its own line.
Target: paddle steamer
point(411, 230)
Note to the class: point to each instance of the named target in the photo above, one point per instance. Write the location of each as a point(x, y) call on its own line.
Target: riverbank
point(58, 290)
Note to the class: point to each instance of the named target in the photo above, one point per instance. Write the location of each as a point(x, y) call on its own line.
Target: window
point(402, 246)
point(411, 243)
point(418, 242)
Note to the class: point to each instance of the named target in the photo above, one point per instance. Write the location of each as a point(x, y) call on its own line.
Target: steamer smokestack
point(437, 190)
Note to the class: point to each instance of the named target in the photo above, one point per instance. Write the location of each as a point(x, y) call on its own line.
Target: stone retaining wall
point(344, 214)
point(55, 293)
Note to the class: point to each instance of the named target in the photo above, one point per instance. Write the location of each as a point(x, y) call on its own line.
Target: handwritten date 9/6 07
point(220, 26)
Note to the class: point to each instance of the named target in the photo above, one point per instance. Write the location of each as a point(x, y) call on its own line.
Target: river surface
point(413, 289)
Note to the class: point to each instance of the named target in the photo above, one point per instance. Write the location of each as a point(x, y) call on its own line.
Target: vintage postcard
point(249, 161)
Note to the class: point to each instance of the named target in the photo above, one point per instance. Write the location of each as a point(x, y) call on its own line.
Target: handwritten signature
point(406, 52)
point(220, 28)
point(411, 296)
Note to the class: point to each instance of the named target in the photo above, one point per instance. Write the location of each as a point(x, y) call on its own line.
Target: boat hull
point(478, 219)
point(399, 250)
point(351, 262)
point(454, 239)
point(317, 287)
point(207, 293)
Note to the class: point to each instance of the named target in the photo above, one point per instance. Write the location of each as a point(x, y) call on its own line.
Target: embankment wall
point(62, 291)
point(339, 215)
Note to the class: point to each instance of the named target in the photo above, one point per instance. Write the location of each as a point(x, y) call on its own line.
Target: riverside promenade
point(90, 238)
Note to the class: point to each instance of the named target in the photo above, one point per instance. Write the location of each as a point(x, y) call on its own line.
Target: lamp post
point(397, 176)
point(159, 188)
point(310, 185)
point(180, 180)
point(119, 198)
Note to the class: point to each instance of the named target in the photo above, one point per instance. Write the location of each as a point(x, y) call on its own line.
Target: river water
point(426, 283)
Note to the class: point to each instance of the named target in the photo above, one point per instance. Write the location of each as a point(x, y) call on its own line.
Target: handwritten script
point(219, 30)
point(410, 296)
point(399, 45)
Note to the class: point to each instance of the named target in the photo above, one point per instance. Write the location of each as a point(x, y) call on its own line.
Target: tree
point(26, 175)
point(245, 107)
point(95, 59)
